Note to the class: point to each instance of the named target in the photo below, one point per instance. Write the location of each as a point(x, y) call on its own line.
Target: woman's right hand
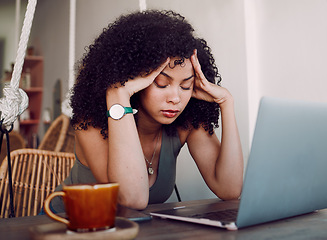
point(139, 83)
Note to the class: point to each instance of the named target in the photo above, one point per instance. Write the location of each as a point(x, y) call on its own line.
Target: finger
point(196, 65)
point(158, 70)
point(145, 81)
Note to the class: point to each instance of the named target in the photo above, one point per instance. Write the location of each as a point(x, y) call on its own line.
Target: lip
point(170, 113)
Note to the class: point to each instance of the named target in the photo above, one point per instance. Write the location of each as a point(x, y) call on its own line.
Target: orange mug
point(89, 207)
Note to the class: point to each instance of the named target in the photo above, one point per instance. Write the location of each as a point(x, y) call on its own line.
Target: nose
point(174, 96)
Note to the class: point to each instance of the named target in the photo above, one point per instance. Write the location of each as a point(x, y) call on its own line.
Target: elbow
point(229, 196)
point(138, 203)
point(230, 193)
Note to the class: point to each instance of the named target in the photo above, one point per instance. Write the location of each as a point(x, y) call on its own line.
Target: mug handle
point(48, 210)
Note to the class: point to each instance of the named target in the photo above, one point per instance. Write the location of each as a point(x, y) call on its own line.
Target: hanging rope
point(6, 132)
point(15, 100)
point(142, 5)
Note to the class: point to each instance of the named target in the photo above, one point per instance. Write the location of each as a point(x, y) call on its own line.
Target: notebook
point(286, 173)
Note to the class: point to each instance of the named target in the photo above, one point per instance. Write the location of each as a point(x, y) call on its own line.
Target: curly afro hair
point(136, 44)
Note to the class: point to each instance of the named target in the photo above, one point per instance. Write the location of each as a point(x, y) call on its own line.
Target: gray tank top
point(159, 192)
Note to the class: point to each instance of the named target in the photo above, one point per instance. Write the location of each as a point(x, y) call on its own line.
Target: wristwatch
point(117, 111)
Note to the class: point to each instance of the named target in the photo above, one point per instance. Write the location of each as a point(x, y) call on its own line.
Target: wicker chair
point(35, 174)
point(59, 137)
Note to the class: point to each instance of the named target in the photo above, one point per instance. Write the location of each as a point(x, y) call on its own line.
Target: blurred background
point(262, 48)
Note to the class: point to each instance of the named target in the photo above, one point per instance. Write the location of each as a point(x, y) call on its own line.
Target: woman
point(152, 62)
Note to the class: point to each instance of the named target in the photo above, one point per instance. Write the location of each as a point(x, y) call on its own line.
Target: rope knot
point(13, 103)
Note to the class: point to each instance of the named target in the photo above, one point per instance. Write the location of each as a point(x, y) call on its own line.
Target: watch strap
point(127, 110)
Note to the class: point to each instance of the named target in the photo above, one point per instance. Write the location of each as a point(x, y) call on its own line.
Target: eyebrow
point(166, 75)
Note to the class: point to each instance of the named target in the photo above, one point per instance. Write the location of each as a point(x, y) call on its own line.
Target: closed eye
point(186, 82)
point(186, 88)
point(160, 86)
point(160, 82)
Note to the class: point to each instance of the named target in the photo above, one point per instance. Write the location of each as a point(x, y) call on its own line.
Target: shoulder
point(89, 135)
point(90, 143)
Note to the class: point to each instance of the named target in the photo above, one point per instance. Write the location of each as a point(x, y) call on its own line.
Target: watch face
point(117, 111)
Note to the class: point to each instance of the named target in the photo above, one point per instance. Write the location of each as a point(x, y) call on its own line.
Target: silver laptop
point(286, 172)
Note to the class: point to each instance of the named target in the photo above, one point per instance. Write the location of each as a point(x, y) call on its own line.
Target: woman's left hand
point(205, 90)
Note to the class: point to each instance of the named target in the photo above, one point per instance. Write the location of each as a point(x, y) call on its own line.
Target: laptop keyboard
point(229, 215)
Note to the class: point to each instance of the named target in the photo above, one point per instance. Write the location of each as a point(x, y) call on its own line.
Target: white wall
point(50, 38)
point(7, 34)
point(93, 16)
point(8, 31)
point(293, 48)
point(287, 51)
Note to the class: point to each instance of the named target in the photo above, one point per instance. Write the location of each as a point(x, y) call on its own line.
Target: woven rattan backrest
point(59, 137)
point(35, 174)
point(69, 143)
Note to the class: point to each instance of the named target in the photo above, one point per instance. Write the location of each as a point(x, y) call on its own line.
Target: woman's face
point(166, 98)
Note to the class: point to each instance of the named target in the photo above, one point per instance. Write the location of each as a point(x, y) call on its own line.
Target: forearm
point(229, 166)
point(126, 163)
point(226, 177)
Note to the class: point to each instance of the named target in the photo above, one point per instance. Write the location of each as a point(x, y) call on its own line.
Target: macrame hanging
point(15, 100)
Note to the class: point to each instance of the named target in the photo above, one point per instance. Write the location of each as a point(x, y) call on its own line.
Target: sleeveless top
point(159, 192)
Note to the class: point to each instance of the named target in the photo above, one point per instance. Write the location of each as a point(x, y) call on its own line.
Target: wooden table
point(308, 226)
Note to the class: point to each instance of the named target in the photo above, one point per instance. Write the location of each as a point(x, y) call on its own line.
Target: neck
point(147, 127)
